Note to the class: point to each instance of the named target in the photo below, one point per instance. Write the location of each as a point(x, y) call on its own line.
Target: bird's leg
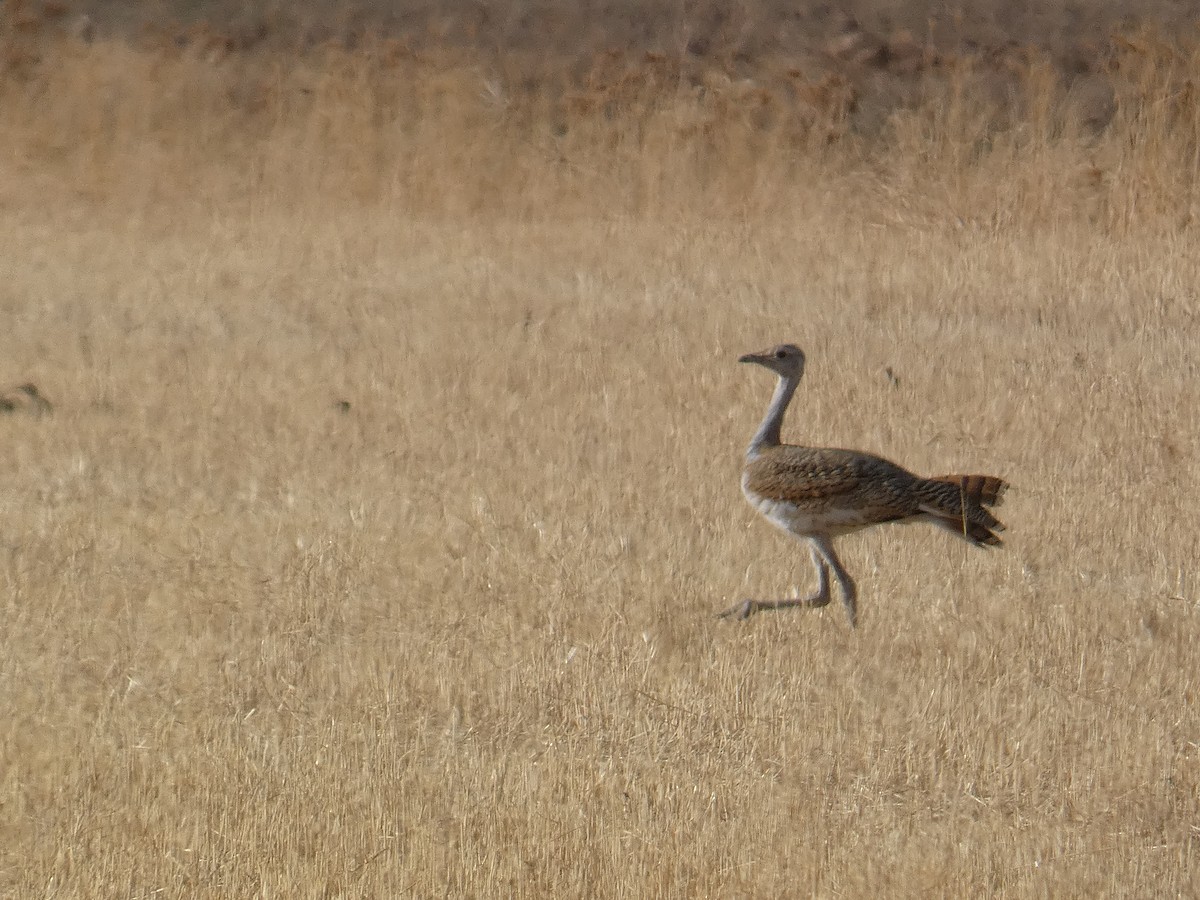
point(824, 546)
point(747, 608)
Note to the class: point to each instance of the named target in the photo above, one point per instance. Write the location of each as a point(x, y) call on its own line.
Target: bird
point(819, 493)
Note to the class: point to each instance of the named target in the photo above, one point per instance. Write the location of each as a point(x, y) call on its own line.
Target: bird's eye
point(780, 353)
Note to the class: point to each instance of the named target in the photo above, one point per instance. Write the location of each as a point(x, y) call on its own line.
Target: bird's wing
point(816, 476)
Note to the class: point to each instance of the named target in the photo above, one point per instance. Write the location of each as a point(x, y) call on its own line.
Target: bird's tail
point(959, 503)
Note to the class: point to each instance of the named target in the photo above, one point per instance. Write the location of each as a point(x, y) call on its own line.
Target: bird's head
point(786, 360)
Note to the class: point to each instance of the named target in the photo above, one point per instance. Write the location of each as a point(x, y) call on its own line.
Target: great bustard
point(819, 493)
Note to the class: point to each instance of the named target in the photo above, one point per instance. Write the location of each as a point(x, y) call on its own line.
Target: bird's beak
point(748, 357)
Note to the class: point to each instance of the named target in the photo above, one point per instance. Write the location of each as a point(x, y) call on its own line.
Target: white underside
point(802, 522)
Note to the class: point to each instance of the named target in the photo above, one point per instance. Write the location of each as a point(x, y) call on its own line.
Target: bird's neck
point(768, 434)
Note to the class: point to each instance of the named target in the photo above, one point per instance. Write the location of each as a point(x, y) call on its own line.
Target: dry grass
point(372, 546)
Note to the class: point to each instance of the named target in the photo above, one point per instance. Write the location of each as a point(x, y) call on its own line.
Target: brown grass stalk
point(372, 543)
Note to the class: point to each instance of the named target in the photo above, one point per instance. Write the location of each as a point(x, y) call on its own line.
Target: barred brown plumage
point(818, 493)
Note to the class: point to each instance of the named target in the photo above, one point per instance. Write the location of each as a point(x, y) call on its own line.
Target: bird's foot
point(740, 611)
point(747, 608)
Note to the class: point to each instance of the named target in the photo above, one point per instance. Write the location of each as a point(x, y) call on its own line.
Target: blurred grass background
point(372, 544)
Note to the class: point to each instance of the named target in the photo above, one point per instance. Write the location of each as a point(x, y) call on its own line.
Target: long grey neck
point(772, 425)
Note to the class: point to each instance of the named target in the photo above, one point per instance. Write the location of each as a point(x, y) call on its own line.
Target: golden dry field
point(373, 543)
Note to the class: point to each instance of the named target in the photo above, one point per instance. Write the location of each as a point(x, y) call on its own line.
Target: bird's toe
point(740, 611)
